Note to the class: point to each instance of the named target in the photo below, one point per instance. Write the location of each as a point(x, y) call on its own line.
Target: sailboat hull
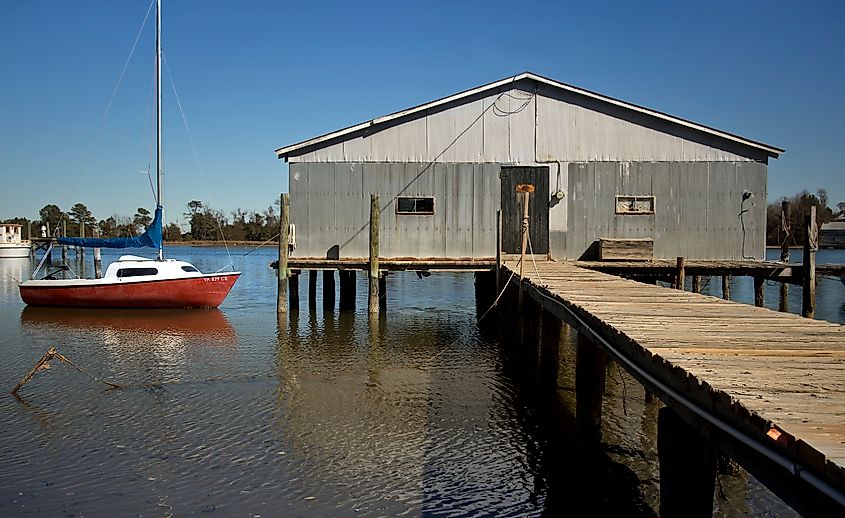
point(206, 291)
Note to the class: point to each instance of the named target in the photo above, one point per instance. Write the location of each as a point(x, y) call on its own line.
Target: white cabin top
point(10, 233)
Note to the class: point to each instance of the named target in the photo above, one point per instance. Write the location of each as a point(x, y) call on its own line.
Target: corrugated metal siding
point(526, 128)
point(330, 205)
point(696, 215)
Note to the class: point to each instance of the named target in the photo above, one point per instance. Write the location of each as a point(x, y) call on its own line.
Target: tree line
point(204, 222)
point(208, 224)
point(799, 208)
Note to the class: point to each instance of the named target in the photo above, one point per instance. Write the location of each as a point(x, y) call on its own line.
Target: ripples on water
point(418, 413)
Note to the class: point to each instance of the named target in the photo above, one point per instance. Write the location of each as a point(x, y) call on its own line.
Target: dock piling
point(811, 244)
point(759, 285)
point(98, 261)
point(329, 292)
point(679, 274)
point(687, 467)
point(375, 282)
point(726, 287)
point(312, 289)
point(590, 372)
point(282, 273)
point(293, 289)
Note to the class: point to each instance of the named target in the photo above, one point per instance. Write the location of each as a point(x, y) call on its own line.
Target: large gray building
point(602, 168)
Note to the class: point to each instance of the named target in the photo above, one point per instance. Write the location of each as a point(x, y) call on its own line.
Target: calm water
point(229, 414)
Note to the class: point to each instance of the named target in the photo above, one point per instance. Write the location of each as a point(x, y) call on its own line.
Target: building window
point(415, 205)
point(635, 204)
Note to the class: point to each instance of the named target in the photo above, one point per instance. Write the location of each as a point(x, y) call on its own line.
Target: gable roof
point(325, 140)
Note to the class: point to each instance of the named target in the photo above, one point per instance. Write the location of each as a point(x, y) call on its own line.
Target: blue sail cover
point(149, 239)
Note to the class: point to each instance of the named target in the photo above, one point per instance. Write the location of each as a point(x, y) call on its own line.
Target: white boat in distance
point(131, 281)
point(11, 244)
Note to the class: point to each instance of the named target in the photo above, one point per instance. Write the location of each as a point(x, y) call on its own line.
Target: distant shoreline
point(220, 243)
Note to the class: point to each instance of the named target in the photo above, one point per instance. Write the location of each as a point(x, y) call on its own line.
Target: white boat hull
point(13, 250)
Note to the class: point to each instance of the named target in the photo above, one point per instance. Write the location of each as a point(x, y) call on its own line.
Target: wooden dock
point(769, 387)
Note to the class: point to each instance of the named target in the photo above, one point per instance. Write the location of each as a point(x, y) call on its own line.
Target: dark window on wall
point(136, 272)
point(415, 205)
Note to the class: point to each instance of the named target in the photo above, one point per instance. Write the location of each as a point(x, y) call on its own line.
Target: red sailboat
point(131, 281)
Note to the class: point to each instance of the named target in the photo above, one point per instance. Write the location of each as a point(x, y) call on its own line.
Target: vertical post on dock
point(679, 274)
point(64, 247)
point(687, 467)
point(590, 371)
point(498, 252)
point(282, 274)
point(811, 244)
point(784, 254)
point(525, 190)
point(293, 289)
point(726, 287)
point(312, 289)
point(80, 254)
point(759, 284)
point(98, 260)
point(696, 283)
point(373, 305)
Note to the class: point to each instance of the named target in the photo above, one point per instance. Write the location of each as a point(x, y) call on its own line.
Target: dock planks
point(753, 368)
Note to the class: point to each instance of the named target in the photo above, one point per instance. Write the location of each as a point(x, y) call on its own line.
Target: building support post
point(329, 292)
point(590, 371)
point(687, 467)
point(679, 274)
point(811, 244)
point(696, 283)
point(382, 292)
point(282, 273)
point(726, 287)
point(312, 290)
point(373, 302)
point(347, 290)
point(293, 289)
point(759, 285)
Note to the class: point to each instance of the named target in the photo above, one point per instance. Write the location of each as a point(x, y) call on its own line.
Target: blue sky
point(253, 76)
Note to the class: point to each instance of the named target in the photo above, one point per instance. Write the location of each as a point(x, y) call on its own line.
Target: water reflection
point(209, 324)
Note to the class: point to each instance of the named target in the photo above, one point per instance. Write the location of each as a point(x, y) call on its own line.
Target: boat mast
point(158, 114)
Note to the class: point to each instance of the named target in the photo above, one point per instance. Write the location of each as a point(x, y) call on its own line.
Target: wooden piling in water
point(498, 252)
point(811, 244)
point(696, 283)
point(549, 359)
point(347, 290)
point(80, 251)
point(759, 285)
point(282, 272)
point(726, 287)
point(382, 292)
point(590, 372)
point(293, 290)
point(679, 274)
point(687, 467)
point(312, 289)
point(98, 260)
point(329, 292)
point(64, 247)
point(375, 282)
